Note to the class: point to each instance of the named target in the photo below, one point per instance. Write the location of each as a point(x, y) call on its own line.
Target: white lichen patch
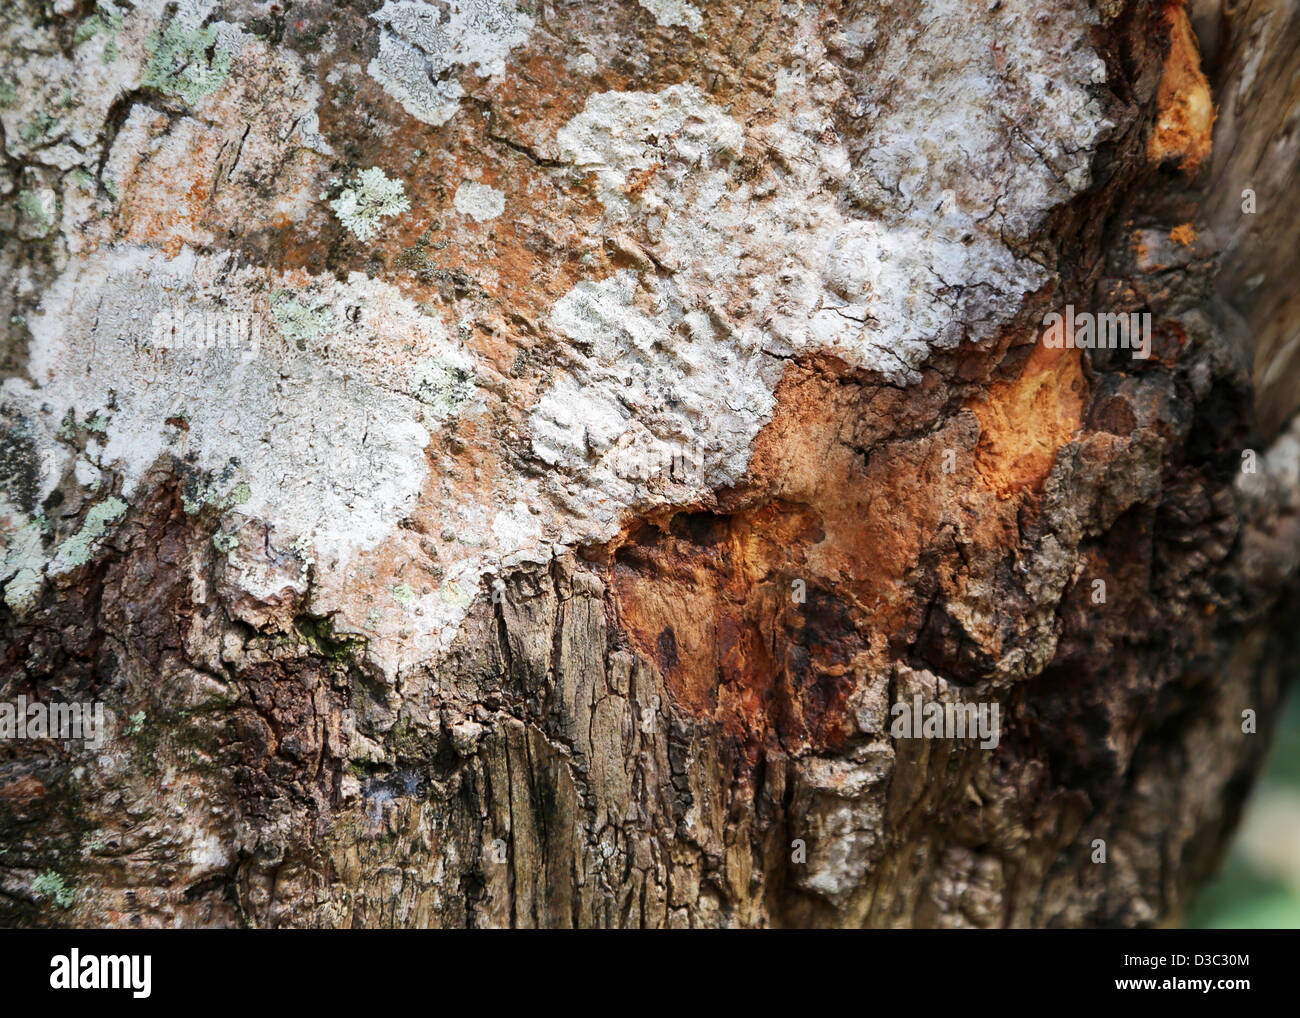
point(676, 133)
point(674, 12)
point(878, 256)
point(305, 553)
point(478, 201)
point(986, 143)
point(367, 201)
point(656, 385)
point(422, 46)
point(329, 442)
point(583, 63)
point(516, 528)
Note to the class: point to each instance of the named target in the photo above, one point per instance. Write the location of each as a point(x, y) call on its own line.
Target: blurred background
point(1259, 883)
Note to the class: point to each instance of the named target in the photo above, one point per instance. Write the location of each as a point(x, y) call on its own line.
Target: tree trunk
point(502, 463)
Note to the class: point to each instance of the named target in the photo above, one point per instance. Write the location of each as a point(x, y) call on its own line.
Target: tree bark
point(503, 463)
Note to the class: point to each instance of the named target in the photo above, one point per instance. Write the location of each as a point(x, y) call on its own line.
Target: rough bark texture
point(647, 397)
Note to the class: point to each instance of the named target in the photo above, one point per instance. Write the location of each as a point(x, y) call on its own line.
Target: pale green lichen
point(453, 594)
point(301, 323)
point(82, 179)
point(23, 562)
point(36, 130)
point(305, 554)
point(51, 886)
point(371, 198)
point(444, 384)
point(75, 551)
point(225, 543)
point(36, 210)
point(188, 62)
point(136, 723)
point(403, 594)
point(198, 494)
point(107, 19)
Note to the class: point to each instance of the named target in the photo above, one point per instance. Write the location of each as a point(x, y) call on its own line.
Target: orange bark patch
point(639, 179)
point(711, 599)
point(1185, 109)
point(862, 518)
point(164, 198)
point(1185, 235)
point(1025, 422)
point(520, 262)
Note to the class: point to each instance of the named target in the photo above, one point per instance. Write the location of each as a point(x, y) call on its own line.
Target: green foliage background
point(1250, 893)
